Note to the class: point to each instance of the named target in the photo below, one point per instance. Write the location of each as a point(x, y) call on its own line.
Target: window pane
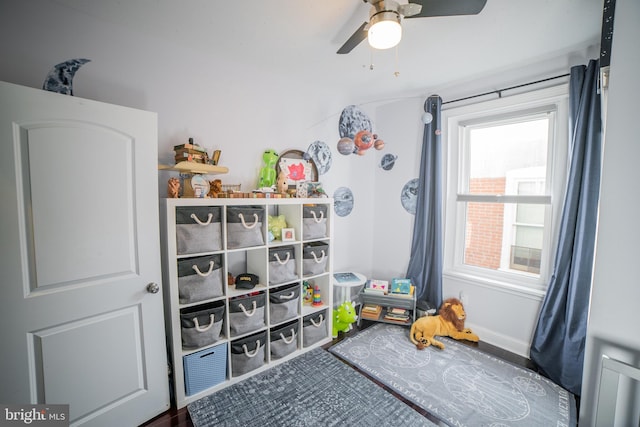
point(495, 239)
point(502, 154)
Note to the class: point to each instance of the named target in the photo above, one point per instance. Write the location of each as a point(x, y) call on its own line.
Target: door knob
point(153, 288)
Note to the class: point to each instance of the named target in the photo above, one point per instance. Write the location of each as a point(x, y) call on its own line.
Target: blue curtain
point(559, 339)
point(425, 264)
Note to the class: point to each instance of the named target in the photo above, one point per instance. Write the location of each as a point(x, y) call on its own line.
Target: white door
point(79, 322)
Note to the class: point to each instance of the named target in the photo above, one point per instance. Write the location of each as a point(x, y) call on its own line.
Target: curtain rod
point(499, 91)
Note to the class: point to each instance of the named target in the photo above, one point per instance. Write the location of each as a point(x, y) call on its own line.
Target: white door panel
point(80, 245)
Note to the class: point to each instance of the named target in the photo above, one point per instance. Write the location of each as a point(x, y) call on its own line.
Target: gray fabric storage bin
point(283, 340)
point(314, 258)
point(314, 328)
point(282, 265)
point(314, 222)
point(200, 278)
point(244, 226)
point(198, 229)
point(246, 313)
point(283, 303)
point(202, 324)
point(248, 353)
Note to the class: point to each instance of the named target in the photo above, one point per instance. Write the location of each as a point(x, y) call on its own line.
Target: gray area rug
point(459, 385)
point(313, 389)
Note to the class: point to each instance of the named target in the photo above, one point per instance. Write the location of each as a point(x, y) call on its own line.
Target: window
point(506, 175)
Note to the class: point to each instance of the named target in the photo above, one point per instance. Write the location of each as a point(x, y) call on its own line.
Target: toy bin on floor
point(205, 368)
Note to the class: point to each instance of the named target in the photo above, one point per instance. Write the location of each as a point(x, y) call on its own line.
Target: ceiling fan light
point(385, 30)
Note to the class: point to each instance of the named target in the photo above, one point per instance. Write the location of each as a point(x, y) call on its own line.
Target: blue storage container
point(205, 368)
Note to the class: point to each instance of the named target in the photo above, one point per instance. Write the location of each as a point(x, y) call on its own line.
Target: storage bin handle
point(318, 261)
point(290, 340)
point(291, 295)
point(244, 224)
point(199, 328)
point(317, 325)
point(253, 310)
point(285, 261)
point(255, 352)
point(196, 219)
point(199, 273)
point(315, 218)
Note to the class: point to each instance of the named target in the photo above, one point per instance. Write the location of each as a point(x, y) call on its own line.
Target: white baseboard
point(505, 342)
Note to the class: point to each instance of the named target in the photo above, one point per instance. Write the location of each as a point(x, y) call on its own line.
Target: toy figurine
point(343, 318)
point(173, 188)
point(281, 183)
point(268, 171)
point(317, 301)
point(215, 188)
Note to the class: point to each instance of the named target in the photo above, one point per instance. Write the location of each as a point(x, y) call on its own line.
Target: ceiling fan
point(384, 30)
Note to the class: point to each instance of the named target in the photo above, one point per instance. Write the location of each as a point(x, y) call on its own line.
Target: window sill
point(496, 285)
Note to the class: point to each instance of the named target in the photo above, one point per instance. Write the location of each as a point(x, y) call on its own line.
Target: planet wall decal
point(60, 77)
point(388, 161)
point(321, 155)
point(409, 196)
point(343, 201)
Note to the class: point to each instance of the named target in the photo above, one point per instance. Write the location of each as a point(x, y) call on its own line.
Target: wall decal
point(388, 161)
point(60, 77)
point(409, 196)
point(343, 201)
point(321, 155)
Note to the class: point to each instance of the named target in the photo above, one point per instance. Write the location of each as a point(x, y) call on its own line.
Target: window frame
point(457, 120)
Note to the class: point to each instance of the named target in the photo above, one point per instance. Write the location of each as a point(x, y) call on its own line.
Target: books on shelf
point(400, 286)
point(375, 286)
point(371, 311)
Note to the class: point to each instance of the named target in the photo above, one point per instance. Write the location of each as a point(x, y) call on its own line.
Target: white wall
point(243, 110)
point(613, 320)
point(239, 109)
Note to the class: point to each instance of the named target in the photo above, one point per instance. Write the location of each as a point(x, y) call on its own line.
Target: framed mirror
point(297, 168)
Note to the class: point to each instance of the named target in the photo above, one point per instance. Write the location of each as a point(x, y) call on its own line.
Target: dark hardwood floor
point(180, 417)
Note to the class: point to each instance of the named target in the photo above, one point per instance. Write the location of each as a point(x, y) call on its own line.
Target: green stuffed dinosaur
point(343, 317)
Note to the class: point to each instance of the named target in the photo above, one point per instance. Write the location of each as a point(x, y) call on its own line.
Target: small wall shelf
point(193, 167)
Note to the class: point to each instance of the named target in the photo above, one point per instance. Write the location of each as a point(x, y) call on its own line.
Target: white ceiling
point(302, 36)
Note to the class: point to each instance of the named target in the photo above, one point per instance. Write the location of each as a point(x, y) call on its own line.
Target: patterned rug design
point(313, 389)
point(459, 385)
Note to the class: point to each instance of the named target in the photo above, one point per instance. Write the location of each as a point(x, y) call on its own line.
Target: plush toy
point(281, 183)
point(448, 323)
point(215, 188)
point(268, 171)
point(343, 318)
point(276, 224)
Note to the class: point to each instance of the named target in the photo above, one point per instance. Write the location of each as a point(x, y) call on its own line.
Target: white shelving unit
point(255, 260)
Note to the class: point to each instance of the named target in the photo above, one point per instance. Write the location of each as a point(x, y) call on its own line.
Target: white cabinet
point(219, 333)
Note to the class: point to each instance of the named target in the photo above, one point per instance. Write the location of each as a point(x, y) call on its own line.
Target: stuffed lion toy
point(448, 323)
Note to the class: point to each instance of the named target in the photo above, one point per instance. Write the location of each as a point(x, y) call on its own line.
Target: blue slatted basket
point(205, 368)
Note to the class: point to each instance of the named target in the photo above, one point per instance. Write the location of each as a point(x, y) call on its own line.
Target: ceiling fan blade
point(355, 39)
point(448, 7)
